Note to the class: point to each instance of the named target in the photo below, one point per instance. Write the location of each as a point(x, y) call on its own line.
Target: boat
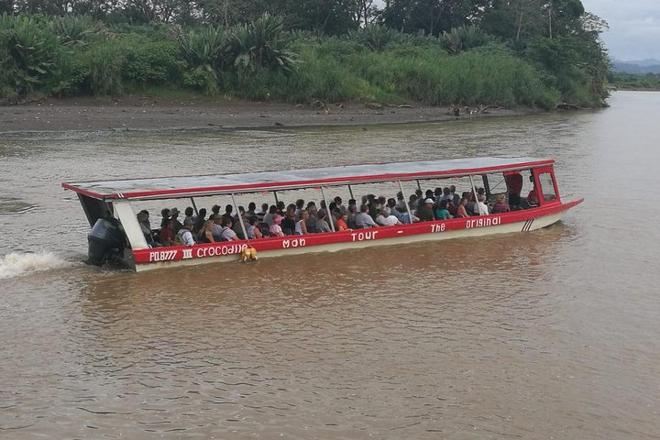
point(111, 207)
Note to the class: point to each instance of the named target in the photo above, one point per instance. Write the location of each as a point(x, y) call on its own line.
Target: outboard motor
point(106, 241)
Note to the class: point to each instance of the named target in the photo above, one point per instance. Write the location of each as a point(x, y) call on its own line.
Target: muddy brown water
point(551, 334)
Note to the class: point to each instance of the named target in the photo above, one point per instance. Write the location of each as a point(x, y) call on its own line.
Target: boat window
point(548, 187)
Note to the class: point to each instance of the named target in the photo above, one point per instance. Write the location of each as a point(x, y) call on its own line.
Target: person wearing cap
point(184, 236)
point(425, 211)
point(275, 229)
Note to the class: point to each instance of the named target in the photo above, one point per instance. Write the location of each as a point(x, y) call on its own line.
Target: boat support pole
point(192, 200)
point(419, 185)
point(327, 211)
point(276, 201)
point(350, 191)
point(474, 191)
point(410, 216)
point(240, 217)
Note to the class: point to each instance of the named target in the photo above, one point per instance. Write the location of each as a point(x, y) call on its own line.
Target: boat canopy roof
point(218, 184)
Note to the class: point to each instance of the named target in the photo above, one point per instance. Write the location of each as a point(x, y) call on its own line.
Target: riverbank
point(145, 113)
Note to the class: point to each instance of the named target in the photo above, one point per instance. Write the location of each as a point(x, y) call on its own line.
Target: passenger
point(425, 212)
point(514, 184)
point(189, 213)
point(482, 208)
point(312, 221)
point(174, 220)
point(300, 205)
point(268, 218)
point(532, 197)
point(322, 222)
point(455, 198)
point(205, 234)
point(253, 231)
point(340, 207)
point(263, 212)
point(228, 210)
point(185, 236)
point(385, 218)
point(275, 229)
point(228, 234)
point(145, 226)
point(437, 193)
point(446, 194)
point(341, 222)
point(281, 208)
point(215, 210)
point(199, 221)
point(461, 211)
point(451, 207)
point(301, 225)
point(217, 227)
point(400, 202)
point(252, 210)
point(166, 234)
point(500, 205)
point(471, 206)
point(441, 212)
point(237, 223)
point(363, 219)
point(429, 195)
point(350, 218)
point(289, 221)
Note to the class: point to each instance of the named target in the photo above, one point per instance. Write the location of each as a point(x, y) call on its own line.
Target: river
point(550, 334)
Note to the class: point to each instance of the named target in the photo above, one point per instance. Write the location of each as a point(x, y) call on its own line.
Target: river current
point(549, 334)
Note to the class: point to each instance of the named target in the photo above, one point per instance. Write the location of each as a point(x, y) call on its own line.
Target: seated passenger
point(289, 221)
point(185, 236)
point(482, 208)
point(441, 212)
point(301, 225)
point(252, 230)
point(446, 194)
point(145, 226)
point(217, 227)
point(312, 221)
point(341, 222)
point(340, 207)
point(215, 210)
point(228, 234)
point(461, 211)
point(350, 218)
point(228, 212)
point(174, 220)
point(166, 233)
point(500, 204)
point(205, 234)
point(275, 229)
point(425, 212)
point(199, 222)
point(270, 215)
point(252, 210)
point(456, 199)
point(264, 210)
point(189, 213)
point(384, 218)
point(322, 222)
point(363, 219)
point(300, 205)
point(532, 197)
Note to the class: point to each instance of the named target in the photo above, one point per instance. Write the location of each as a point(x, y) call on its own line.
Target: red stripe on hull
point(209, 250)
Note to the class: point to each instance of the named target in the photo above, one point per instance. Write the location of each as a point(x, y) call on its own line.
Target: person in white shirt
point(481, 208)
point(228, 234)
point(384, 218)
point(185, 233)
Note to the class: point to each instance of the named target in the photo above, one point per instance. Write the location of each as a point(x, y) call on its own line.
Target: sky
point(634, 32)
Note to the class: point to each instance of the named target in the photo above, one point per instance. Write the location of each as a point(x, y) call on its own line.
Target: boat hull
point(516, 221)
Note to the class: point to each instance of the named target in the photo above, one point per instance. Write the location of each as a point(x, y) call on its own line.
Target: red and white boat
point(117, 200)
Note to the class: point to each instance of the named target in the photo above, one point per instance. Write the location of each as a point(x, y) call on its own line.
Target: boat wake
point(18, 264)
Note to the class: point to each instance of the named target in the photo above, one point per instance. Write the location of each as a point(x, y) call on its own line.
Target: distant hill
point(641, 67)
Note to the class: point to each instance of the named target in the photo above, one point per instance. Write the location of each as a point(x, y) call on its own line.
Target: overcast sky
point(634, 27)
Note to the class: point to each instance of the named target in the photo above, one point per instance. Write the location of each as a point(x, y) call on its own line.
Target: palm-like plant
point(262, 44)
point(74, 30)
point(463, 38)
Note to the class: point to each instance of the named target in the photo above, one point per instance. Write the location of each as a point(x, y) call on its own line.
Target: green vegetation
point(628, 81)
point(508, 53)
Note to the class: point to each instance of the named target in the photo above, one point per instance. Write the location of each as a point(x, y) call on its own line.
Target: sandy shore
point(155, 114)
